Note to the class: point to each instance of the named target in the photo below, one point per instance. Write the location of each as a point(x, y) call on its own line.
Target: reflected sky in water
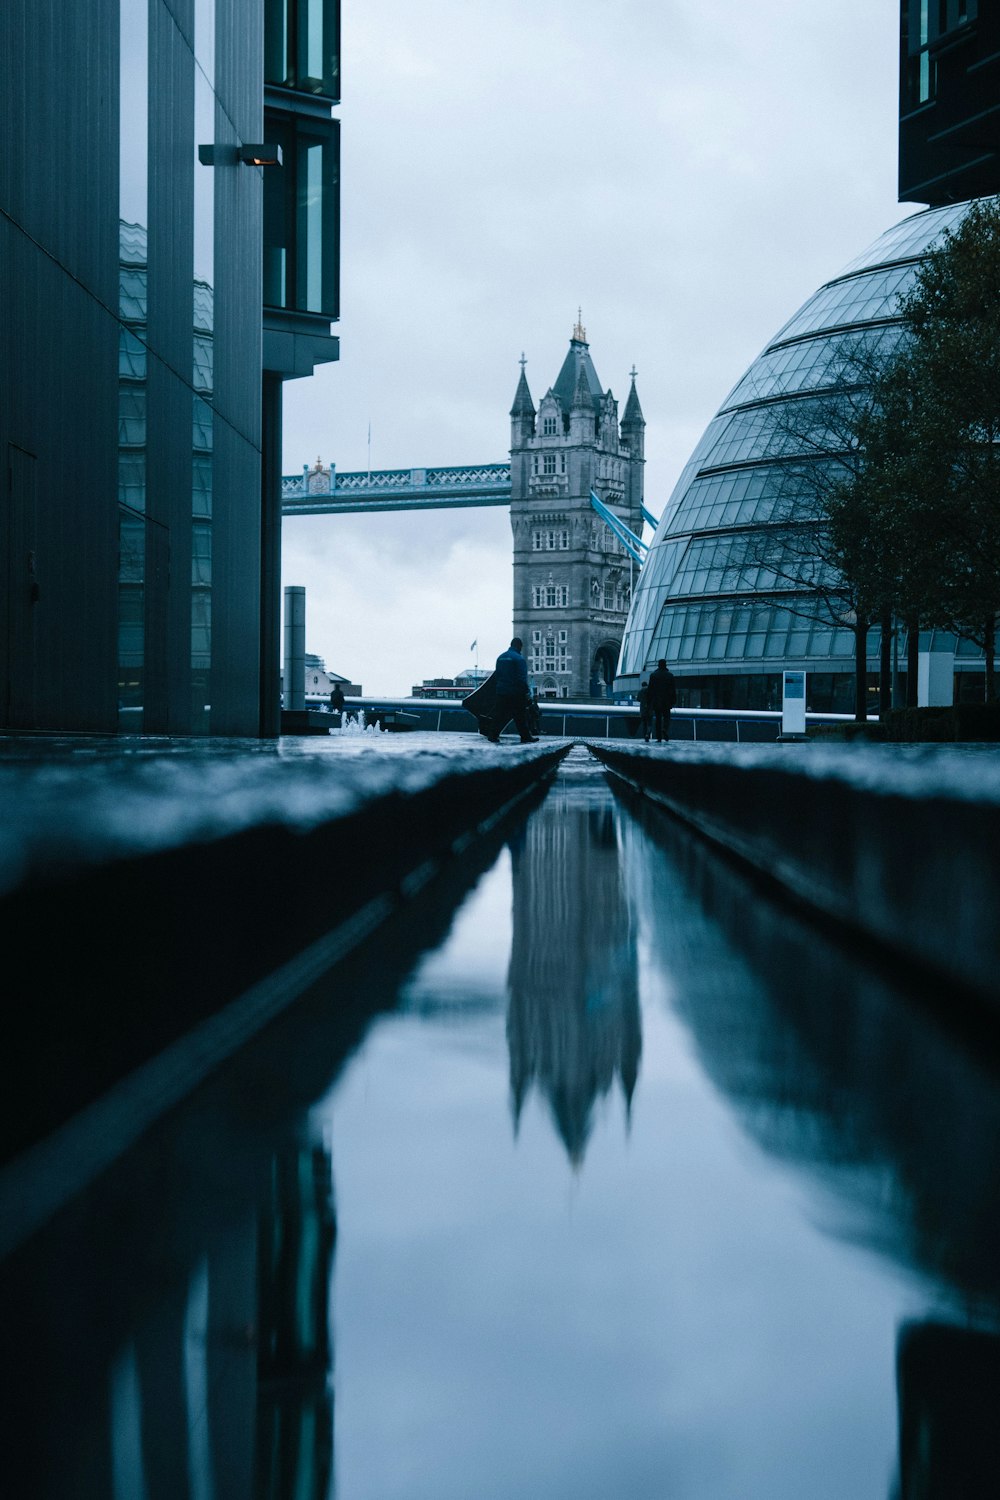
point(542, 1290)
point(602, 1178)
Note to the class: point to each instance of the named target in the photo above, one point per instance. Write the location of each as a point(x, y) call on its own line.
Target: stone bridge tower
point(572, 577)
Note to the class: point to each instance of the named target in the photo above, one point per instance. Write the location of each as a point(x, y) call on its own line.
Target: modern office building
point(729, 626)
point(140, 546)
point(949, 100)
point(572, 575)
point(302, 77)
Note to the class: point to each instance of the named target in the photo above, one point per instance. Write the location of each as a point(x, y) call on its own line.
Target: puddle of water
point(629, 1187)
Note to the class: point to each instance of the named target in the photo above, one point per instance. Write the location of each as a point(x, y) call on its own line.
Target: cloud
point(688, 174)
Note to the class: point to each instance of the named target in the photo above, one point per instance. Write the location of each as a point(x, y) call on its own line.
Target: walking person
point(645, 722)
point(512, 697)
point(662, 693)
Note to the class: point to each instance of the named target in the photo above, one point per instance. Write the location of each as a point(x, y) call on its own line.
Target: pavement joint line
point(48, 1174)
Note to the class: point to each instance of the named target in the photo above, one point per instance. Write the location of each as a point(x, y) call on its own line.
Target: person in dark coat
point(662, 693)
point(337, 699)
point(513, 696)
point(645, 722)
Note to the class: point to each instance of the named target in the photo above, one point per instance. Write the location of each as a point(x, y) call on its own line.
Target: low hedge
point(963, 722)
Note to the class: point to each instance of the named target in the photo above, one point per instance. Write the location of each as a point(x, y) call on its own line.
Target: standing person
point(337, 699)
point(645, 723)
point(662, 692)
point(512, 695)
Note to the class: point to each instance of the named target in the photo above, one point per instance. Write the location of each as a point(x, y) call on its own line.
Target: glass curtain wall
point(133, 185)
point(727, 614)
point(302, 46)
point(202, 378)
point(302, 217)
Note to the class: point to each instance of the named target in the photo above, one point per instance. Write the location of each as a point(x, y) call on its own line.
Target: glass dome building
point(721, 624)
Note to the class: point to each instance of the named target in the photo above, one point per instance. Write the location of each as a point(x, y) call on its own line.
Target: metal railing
point(564, 719)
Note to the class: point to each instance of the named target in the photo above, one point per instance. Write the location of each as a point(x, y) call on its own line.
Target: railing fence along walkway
point(591, 720)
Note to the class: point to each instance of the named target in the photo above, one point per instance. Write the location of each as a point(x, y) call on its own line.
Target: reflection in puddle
point(740, 1243)
point(573, 1025)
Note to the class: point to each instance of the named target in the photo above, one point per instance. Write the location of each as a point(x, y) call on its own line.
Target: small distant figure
point(645, 722)
point(512, 695)
point(661, 697)
point(534, 714)
point(337, 699)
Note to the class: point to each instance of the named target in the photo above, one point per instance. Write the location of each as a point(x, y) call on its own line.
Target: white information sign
point(793, 703)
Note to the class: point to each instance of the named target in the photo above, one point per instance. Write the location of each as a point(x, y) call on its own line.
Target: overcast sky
point(687, 173)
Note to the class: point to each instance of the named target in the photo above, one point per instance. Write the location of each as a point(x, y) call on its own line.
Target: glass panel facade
point(203, 417)
point(710, 596)
point(862, 298)
point(133, 200)
point(302, 217)
point(302, 46)
point(910, 238)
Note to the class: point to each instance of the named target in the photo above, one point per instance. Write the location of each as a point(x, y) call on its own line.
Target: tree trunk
point(885, 665)
point(989, 645)
point(912, 660)
point(861, 671)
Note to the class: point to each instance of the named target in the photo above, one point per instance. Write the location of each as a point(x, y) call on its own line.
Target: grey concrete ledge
point(147, 887)
point(67, 806)
point(898, 843)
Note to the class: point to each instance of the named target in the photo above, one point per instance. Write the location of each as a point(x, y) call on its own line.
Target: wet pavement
point(592, 1174)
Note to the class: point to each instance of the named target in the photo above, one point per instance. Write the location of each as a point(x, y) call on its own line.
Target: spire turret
point(582, 414)
point(633, 416)
point(522, 413)
point(582, 399)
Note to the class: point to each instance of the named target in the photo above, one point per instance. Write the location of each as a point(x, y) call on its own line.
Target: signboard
point(793, 703)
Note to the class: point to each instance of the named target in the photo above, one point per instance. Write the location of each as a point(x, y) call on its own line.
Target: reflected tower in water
point(573, 1016)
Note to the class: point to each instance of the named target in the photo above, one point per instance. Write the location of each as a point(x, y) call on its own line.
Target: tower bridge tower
point(572, 577)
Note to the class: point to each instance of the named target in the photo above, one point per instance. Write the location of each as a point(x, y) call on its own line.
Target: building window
point(562, 637)
point(921, 67)
point(550, 539)
point(536, 636)
point(549, 427)
point(302, 46)
point(550, 596)
point(609, 595)
point(562, 463)
point(302, 217)
point(549, 463)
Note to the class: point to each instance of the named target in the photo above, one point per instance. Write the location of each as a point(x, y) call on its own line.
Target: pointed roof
point(523, 404)
point(633, 416)
point(578, 359)
point(582, 398)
